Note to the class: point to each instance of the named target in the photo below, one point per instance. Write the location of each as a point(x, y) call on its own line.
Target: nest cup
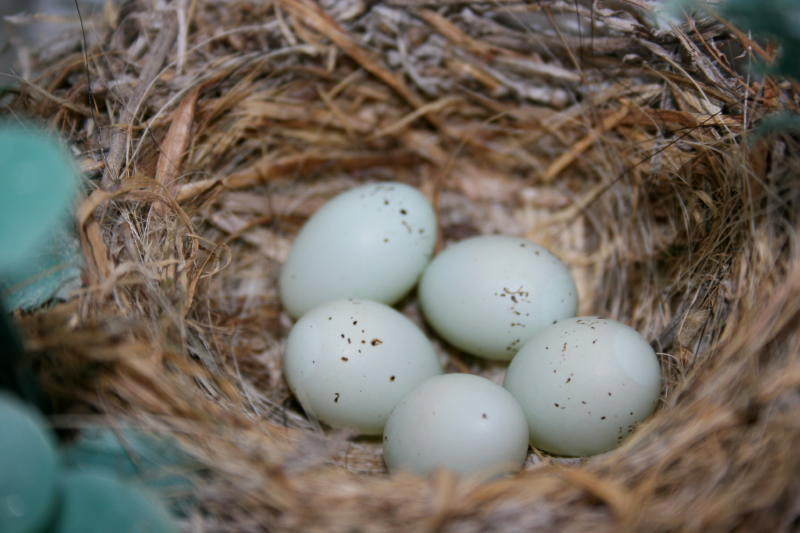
point(209, 132)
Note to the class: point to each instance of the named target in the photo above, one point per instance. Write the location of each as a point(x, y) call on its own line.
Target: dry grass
point(213, 129)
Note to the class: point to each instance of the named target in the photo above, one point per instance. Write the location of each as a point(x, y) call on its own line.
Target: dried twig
point(149, 72)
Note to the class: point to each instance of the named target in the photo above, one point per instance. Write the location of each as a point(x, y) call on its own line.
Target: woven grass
point(210, 130)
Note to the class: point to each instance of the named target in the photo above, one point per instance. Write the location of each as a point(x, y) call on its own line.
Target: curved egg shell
point(584, 384)
point(28, 468)
point(348, 362)
point(461, 422)
point(487, 295)
point(371, 242)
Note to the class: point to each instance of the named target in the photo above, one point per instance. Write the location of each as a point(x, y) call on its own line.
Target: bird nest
point(208, 132)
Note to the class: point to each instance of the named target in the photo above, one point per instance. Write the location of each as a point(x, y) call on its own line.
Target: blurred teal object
point(28, 468)
point(98, 502)
point(776, 123)
point(157, 463)
point(38, 181)
point(778, 19)
point(53, 271)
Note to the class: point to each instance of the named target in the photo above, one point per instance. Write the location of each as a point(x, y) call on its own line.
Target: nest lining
point(210, 131)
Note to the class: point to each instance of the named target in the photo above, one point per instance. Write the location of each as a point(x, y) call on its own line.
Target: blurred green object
point(671, 12)
point(53, 271)
point(98, 502)
point(777, 19)
point(156, 462)
point(38, 181)
point(28, 468)
point(776, 123)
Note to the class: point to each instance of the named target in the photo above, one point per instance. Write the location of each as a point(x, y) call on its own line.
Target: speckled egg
point(460, 422)
point(371, 242)
point(348, 363)
point(487, 295)
point(584, 384)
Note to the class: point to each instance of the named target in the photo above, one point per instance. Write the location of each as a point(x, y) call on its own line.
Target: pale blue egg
point(487, 295)
point(348, 362)
point(460, 422)
point(371, 242)
point(584, 384)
